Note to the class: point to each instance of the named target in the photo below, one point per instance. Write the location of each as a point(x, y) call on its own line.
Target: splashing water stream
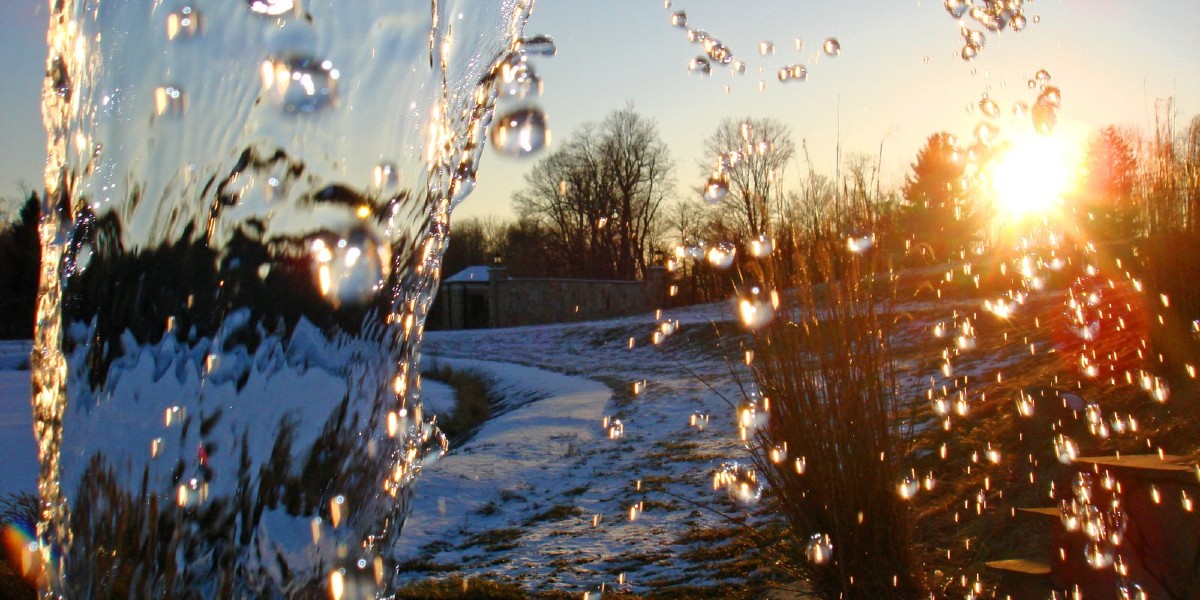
point(247, 204)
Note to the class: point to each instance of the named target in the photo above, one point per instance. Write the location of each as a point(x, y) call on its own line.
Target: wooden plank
point(1021, 566)
point(1048, 511)
point(1148, 466)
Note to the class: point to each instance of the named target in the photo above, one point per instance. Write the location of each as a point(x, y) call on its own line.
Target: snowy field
point(18, 453)
point(541, 494)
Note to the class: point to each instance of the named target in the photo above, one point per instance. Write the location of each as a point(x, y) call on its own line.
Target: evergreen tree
point(936, 217)
point(1105, 204)
point(20, 256)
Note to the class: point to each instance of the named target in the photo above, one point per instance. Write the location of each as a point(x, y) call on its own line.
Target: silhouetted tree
point(936, 216)
point(1106, 202)
point(598, 196)
point(751, 155)
point(20, 256)
point(524, 248)
point(472, 242)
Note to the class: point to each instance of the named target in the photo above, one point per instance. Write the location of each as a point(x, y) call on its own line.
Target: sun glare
point(1029, 180)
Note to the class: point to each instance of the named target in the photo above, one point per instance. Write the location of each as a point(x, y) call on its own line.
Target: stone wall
point(515, 302)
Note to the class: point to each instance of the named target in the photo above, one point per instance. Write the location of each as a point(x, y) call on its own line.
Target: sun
point(1033, 174)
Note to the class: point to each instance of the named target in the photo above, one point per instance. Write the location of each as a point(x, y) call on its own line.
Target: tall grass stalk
point(826, 371)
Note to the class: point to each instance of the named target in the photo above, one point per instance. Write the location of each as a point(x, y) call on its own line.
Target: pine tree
point(936, 217)
point(20, 256)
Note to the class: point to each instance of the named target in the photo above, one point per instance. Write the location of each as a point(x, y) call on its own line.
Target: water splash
point(285, 224)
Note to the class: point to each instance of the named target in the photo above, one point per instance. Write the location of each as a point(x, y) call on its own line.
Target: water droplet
point(168, 100)
point(716, 189)
point(766, 48)
point(860, 244)
point(717, 51)
point(300, 83)
point(1044, 116)
point(755, 310)
point(1050, 95)
point(969, 52)
point(908, 488)
point(1099, 555)
point(819, 549)
point(1065, 449)
point(1042, 76)
point(351, 269)
point(1025, 404)
point(615, 429)
point(957, 8)
point(1018, 23)
point(1128, 590)
point(518, 79)
point(721, 255)
point(831, 47)
point(520, 132)
point(738, 68)
point(761, 247)
point(925, 59)
point(1037, 19)
point(538, 45)
point(986, 133)
point(1019, 109)
point(989, 107)
point(385, 176)
point(185, 22)
point(700, 66)
point(679, 19)
point(793, 73)
point(271, 7)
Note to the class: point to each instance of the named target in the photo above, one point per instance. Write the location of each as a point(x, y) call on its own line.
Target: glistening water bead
point(819, 549)
point(832, 47)
point(716, 189)
point(521, 132)
point(538, 45)
point(299, 82)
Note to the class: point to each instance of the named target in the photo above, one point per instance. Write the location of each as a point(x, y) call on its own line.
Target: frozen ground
point(18, 453)
point(542, 494)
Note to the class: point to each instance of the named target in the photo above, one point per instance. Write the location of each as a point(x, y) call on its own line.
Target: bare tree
point(749, 156)
point(599, 196)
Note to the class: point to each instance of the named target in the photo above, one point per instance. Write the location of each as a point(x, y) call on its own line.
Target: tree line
point(604, 205)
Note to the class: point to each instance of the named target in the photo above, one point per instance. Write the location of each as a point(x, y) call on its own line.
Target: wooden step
point(1022, 578)
point(1021, 566)
point(1144, 466)
point(1052, 512)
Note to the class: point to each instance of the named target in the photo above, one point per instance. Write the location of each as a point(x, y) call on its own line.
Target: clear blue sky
point(898, 78)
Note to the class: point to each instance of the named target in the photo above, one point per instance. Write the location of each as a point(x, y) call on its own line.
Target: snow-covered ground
point(18, 453)
point(542, 494)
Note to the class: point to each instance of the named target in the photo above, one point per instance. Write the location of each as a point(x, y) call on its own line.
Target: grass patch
point(495, 540)
point(557, 512)
point(473, 401)
point(577, 491)
point(460, 588)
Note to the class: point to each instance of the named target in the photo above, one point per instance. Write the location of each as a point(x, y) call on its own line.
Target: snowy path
point(18, 452)
point(523, 448)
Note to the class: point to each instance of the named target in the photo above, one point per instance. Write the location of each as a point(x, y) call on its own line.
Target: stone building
point(480, 297)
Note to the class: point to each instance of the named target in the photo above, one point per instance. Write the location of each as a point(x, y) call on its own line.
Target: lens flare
point(1031, 177)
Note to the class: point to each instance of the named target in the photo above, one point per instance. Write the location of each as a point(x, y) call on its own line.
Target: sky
point(898, 79)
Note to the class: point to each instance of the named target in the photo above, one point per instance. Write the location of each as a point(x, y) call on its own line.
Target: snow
point(477, 273)
point(18, 452)
point(541, 495)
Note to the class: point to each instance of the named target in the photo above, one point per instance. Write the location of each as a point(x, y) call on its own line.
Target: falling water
point(247, 204)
